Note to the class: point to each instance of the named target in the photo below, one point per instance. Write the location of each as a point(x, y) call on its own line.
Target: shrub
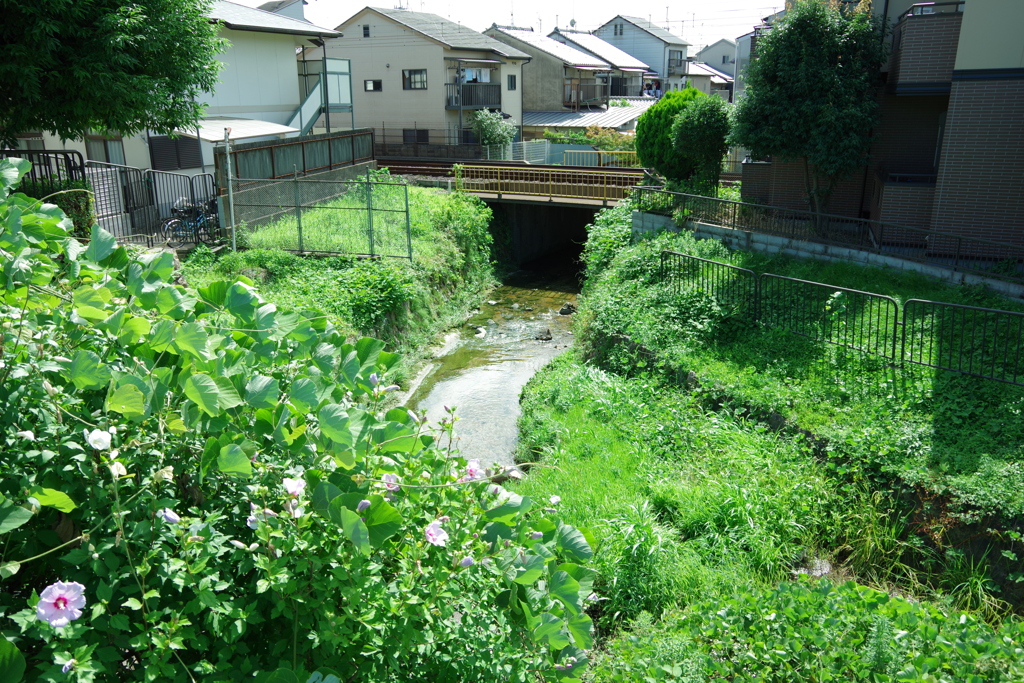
point(654, 135)
point(74, 197)
point(216, 477)
point(699, 134)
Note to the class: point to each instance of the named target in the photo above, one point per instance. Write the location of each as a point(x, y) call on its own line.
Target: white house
point(720, 55)
point(662, 51)
point(258, 96)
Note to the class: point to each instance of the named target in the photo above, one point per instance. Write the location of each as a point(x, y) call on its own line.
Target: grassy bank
point(718, 460)
point(404, 303)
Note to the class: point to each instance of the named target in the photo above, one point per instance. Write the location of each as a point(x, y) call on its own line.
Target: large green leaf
point(133, 330)
point(573, 544)
point(550, 631)
point(262, 392)
point(233, 461)
point(192, 339)
point(582, 630)
point(279, 676)
point(128, 401)
point(322, 496)
point(367, 350)
point(87, 372)
point(202, 390)
point(12, 662)
point(344, 428)
point(101, 245)
point(512, 506)
point(382, 520)
point(12, 517)
point(529, 570)
point(566, 590)
point(227, 394)
point(352, 525)
point(52, 498)
point(302, 394)
point(12, 169)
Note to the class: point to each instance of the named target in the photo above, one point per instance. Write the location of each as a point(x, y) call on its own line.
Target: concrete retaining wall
point(650, 224)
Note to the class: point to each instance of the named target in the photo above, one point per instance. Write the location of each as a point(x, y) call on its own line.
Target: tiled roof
point(612, 117)
point(596, 46)
point(455, 36)
point(568, 54)
point(242, 18)
point(656, 31)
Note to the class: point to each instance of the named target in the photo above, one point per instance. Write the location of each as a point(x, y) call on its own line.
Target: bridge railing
point(572, 184)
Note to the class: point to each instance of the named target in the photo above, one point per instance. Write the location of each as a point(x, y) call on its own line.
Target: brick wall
point(906, 204)
point(927, 50)
point(756, 184)
point(980, 185)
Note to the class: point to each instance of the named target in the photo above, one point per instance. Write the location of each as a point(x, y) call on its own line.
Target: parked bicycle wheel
point(204, 230)
point(174, 231)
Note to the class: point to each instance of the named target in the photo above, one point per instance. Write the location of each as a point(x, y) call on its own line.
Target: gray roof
point(275, 5)
point(569, 55)
point(702, 69)
point(612, 117)
point(455, 36)
point(588, 42)
point(242, 18)
point(656, 31)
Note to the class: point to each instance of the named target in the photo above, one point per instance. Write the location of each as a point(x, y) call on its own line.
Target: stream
point(485, 364)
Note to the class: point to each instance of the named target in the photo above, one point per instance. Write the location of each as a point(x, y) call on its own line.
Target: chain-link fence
point(357, 217)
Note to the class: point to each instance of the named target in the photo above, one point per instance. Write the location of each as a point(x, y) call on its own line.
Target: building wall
point(645, 47)
point(259, 78)
point(991, 35)
point(907, 204)
point(721, 55)
point(927, 52)
point(980, 178)
point(543, 77)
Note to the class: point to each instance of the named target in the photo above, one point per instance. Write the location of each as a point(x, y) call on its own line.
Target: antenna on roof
point(572, 23)
point(512, 13)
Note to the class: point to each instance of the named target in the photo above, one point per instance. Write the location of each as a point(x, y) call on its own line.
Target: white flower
point(118, 469)
point(97, 438)
point(238, 544)
point(555, 500)
point(27, 435)
point(294, 487)
point(165, 474)
point(112, 430)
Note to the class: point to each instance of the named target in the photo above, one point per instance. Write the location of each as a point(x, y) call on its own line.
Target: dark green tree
point(811, 93)
point(654, 135)
point(70, 66)
point(700, 134)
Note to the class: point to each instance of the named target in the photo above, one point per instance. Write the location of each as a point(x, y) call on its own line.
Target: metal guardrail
point(948, 250)
point(607, 159)
point(50, 165)
point(970, 340)
point(606, 186)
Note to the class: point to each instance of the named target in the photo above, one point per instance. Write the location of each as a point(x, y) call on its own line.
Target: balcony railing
point(472, 95)
point(923, 8)
point(585, 93)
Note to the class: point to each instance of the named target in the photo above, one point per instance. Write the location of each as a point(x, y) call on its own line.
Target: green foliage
point(820, 631)
point(699, 134)
point(221, 476)
point(71, 67)
point(654, 135)
point(74, 197)
point(811, 93)
point(492, 128)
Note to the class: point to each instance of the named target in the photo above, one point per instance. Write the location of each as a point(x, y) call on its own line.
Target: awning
point(638, 71)
point(211, 129)
point(470, 60)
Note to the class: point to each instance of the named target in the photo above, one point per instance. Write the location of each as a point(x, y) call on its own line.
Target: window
point(414, 79)
point(106, 149)
point(171, 154)
point(373, 86)
point(366, 30)
point(618, 29)
point(415, 136)
point(511, 82)
point(33, 140)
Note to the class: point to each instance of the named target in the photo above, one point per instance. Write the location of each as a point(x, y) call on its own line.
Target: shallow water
point(496, 354)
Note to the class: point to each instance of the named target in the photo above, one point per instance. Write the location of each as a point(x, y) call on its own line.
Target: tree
point(72, 66)
point(699, 134)
point(491, 128)
point(654, 135)
point(811, 93)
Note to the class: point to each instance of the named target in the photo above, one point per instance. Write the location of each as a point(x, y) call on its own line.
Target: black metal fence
point(967, 254)
point(50, 166)
point(355, 217)
point(982, 342)
point(132, 203)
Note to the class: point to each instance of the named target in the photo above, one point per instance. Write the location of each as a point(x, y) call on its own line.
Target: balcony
point(583, 94)
point(472, 96)
point(924, 49)
point(677, 67)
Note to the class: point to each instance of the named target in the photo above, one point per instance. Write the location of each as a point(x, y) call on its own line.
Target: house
point(708, 79)
point(626, 80)
point(662, 51)
point(720, 55)
point(419, 77)
point(621, 115)
point(559, 76)
point(946, 153)
point(258, 96)
point(289, 8)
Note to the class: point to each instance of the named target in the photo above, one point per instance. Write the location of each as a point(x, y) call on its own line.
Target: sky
point(699, 22)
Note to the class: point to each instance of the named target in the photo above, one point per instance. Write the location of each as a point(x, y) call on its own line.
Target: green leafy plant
point(699, 134)
point(196, 484)
point(654, 135)
point(492, 128)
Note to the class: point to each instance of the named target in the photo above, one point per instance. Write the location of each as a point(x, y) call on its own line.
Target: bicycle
point(195, 223)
